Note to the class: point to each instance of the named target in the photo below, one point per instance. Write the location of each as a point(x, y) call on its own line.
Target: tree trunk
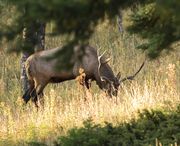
point(34, 40)
point(24, 80)
point(40, 45)
point(120, 26)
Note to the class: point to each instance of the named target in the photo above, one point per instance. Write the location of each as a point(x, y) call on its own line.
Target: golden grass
point(68, 104)
point(19, 122)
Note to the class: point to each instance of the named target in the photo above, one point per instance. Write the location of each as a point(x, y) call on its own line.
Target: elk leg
point(38, 100)
point(87, 83)
point(27, 95)
point(34, 94)
point(34, 97)
point(40, 95)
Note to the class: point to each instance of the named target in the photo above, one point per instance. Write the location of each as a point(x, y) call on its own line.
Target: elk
point(41, 71)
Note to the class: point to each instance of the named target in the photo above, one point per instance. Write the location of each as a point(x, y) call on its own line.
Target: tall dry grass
point(156, 86)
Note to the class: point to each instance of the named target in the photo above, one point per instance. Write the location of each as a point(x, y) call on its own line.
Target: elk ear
point(103, 78)
point(118, 76)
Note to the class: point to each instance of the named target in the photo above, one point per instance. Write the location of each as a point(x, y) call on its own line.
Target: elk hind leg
point(38, 94)
point(27, 95)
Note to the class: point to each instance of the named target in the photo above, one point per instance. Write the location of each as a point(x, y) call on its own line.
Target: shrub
point(151, 126)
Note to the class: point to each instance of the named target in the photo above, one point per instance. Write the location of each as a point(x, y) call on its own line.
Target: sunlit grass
point(19, 122)
point(68, 104)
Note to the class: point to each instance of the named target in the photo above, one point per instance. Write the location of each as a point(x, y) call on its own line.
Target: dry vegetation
point(156, 87)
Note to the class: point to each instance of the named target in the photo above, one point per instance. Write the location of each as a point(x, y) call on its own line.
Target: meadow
point(157, 86)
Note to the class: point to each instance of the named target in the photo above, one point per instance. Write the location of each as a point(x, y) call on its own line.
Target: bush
point(150, 127)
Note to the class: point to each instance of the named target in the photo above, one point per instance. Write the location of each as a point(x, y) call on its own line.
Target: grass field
point(157, 86)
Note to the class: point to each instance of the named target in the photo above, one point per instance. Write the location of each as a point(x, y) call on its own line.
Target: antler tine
point(99, 63)
point(139, 69)
point(103, 61)
point(132, 77)
point(99, 57)
point(106, 60)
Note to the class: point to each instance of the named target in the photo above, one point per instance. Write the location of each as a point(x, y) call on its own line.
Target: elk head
point(110, 82)
point(111, 86)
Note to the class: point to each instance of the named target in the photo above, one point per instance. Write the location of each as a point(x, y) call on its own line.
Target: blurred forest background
point(146, 111)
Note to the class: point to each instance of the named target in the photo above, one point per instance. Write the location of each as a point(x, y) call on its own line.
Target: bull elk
point(41, 71)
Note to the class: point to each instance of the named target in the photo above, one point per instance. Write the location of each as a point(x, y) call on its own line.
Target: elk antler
point(102, 62)
point(132, 77)
point(106, 61)
point(99, 64)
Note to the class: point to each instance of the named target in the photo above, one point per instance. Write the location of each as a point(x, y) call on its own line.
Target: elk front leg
point(88, 83)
